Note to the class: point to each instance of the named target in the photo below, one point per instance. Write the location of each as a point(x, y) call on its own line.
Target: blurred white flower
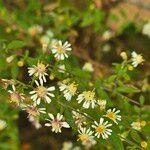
point(106, 48)
point(15, 96)
point(107, 35)
point(35, 29)
point(3, 124)
point(86, 137)
point(35, 121)
point(146, 29)
point(101, 129)
point(4, 83)
point(102, 104)
point(68, 90)
point(45, 41)
point(79, 119)
point(136, 125)
point(88, 67)
point(56, 123)
point(42, 93)
point(67, 145)
point(61, 50)
point(34, 111)
point(113, 115)
point(88, 97)
point(136, 59)
point(39, 71)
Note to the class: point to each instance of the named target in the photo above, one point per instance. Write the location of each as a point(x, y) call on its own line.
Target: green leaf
point(81, 74)
point(127, 89)
point(137, 109)
point(16, 44)
point(142, 99)
point(116, 141)
point(111, 78)
point(69, 118)
point(135, 136)
point(14, 71)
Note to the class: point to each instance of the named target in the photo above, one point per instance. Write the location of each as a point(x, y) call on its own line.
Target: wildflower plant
point(75, 67)
point(61, 94)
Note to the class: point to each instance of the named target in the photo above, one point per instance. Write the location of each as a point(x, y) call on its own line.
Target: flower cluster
point(41, 95)
point(136, 59)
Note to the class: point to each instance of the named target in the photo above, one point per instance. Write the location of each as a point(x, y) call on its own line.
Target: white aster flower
point(88, 97)
point(101, 129)
point(136, 59)
point(88, 67)
point(86, 137)
point(15, 96)
point(42, 93)
point(56, 123)
point(136, 125)
point(69, 90)
point(3, 125)
point(39, 71)
point(113, 115)
point(60, 50)
point(79, 119)
point(5, 83)
point(146, 29)
point(102, 104)
point(34, 111)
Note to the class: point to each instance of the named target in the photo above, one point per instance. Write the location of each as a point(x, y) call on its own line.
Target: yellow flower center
point(41, 68)
point(60, 50)
point(41, 91)
point(89, 96)
point(100, 129)
point(72, 88)
point(84, 137)
point(111, 115)
point(55, 125)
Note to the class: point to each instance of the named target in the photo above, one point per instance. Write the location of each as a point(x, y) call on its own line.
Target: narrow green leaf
point(116, 141)
point(127, 89)
point(16, 44)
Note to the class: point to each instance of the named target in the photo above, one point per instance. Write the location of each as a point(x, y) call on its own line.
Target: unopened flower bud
point(20, 63)
point(130, 68)
point(124, 55)
point(51, 76)
point(2, 125)
point(143, 123)
point(10, 58)
point(144, 144)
